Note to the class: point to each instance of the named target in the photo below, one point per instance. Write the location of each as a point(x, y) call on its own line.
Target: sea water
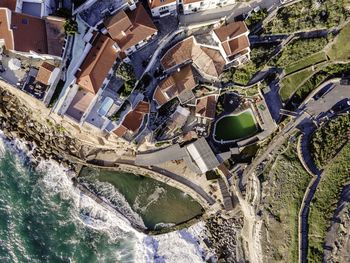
point(44, 218)
point(143, 200)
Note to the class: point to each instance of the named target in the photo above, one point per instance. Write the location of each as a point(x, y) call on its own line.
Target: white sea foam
point(139, 248)
point(154, 197)
point(117, 200)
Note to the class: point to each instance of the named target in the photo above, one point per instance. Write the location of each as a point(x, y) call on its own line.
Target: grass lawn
point(325, 201)
point(341, 48)
point(235, 127)
point(304, 63)
point(291, 83)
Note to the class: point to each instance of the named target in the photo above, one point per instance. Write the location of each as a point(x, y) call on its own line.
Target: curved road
point(308, 112)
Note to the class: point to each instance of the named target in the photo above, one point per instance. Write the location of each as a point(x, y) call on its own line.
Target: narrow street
point(230, 12)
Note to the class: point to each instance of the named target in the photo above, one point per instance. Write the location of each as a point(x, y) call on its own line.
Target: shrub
point(125, 71)
point(71, 27)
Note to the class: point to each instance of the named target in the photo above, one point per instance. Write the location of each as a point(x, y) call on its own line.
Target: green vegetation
point(291, 83)
point(307, 53)
point(329, 139)
point(340, 50)
point(212, 175)
point(220, 105)
point(328, 72)
point(306, 62)
point(71, 27)
point(56, 93)
point(309, 14)
point(126, 72)
point(300, 49)
point(284, 184)
point(325, 201)
point(235, 127)
point(258, 59)
point(116, 116)
point(256, 17)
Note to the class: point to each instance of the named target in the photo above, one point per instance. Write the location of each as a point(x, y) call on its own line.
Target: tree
point(71, 27)
point(125, 71)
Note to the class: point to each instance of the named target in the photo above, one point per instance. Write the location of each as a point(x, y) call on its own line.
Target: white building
point(161, 8)
point(233, 42)
point(192, 6)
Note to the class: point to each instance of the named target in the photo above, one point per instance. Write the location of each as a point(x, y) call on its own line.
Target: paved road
point(307, 112)
point(312, 109)
point(230, 12)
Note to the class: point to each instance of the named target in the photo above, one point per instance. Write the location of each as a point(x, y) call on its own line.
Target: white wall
point(171, 7)
point(205, 5)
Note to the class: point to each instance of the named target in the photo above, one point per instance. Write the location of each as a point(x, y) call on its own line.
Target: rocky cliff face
point(223, 236)
point(46, 139)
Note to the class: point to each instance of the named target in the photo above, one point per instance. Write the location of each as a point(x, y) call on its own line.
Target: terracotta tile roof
point(177, 83)
point(118, 24)
point(206, 107)
point(133, 120)
point(178, 54)
point(44, 73)
point(159, 97)
point(231, 30)
point(120, 131)
point(128, 28)
point(80, 104)
point(233, 37)
point(55, 35)
point(97, 64)
point(29, 33)
point(25, 33)
point(5, 33)
point(207, 60)
point(10, 4)
point(158, 3)
point(236, 45)
point(142, 107)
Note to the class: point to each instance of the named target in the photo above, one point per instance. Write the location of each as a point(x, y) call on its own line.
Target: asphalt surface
point(308, 112)
point(230, 12)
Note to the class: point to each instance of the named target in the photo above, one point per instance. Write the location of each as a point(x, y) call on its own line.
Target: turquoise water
point(158, 204)
point(44, 218)
point(42, 221)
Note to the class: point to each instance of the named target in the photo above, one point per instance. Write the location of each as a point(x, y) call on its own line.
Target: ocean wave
point(110, 195)
point(133, 245)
